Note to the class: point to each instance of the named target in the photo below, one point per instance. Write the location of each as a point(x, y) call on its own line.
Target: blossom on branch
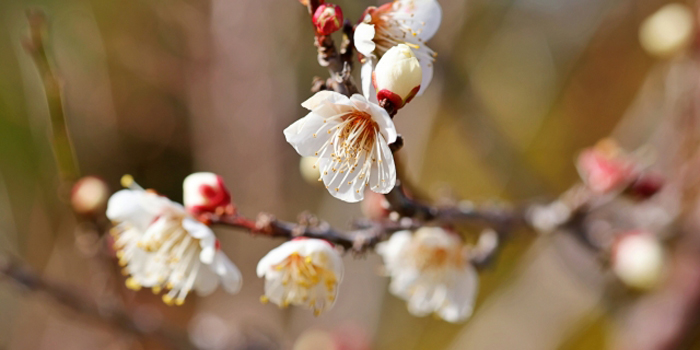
point(398, 75)
point(162, 247)
point(205, 193)
point(431, 271)
point(410, 22)
point(350, 137)
point(302, 272)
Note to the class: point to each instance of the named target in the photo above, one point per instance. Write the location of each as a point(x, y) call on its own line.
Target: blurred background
point(162, 88)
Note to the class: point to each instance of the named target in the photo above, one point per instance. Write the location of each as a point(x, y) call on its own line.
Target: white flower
point(638, 259)
point(302, 272)
point(350, 137)
point(205, 192)
point(161, 246)
point(397, 76)
point(430, 270)
point(411, 22)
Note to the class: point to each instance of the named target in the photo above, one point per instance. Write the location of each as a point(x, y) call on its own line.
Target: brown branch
point(339, 67)
point(366, 235)
point(104, 313)
point(62, 147)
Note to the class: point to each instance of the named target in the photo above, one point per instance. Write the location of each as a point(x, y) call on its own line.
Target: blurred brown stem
point(35, 45)
point(105, 313)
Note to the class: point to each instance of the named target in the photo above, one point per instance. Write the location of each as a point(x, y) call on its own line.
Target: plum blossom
point(410, 22)
point(162, 247)
point(302, 272)
point(351, 137)
point(430, 270)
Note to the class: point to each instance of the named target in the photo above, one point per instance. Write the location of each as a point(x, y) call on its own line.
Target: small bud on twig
point(328, 18)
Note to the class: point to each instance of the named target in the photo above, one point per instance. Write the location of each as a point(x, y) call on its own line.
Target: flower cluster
point(162, 247)
point(168, 247)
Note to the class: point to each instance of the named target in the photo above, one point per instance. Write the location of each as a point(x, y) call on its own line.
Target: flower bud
point(328, 18)
point(398, 76)
point(668, 31)
point(604, 168)
point(205, 192)
point(638, 259)
point(89, 195)
point(646, 186)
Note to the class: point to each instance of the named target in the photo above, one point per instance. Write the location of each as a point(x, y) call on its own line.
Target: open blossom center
point(353, 148)
point(396, 27)
point(437, 258)
point(175, 263)
point(305, 282)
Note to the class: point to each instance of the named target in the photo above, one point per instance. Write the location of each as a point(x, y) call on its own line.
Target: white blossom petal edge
point(429, 270)
point(410, 22)
point(350, 137)
point(162, 247)
point(302, 272)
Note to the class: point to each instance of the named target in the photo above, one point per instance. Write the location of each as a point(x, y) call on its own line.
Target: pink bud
point(89, 195)
point(604, 168)
point(375, 206)
point(328, 18)
point(206, 193)
point(646, 186)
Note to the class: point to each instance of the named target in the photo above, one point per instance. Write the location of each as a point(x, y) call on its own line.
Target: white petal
point(138, 208)
point(461, 297)
point(424, 299)
point(196, 229)
point(231, 278)
point(345, 186)
point(426, 65)
point(206, 282)
point(426, 19)
point(301, 134)
point(393, 249)
point(366, 77)
point(276, 256)
point(364, 39)
point(324, 97)
point(403, 282)
point(387, 168)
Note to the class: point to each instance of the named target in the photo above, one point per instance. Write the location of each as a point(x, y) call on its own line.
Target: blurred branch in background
point(35, 45)
point(104, 312)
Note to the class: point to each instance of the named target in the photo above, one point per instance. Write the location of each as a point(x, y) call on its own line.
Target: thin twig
point(62, 147)
point(105, 313)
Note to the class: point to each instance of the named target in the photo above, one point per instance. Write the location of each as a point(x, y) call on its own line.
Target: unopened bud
point(398, 76)
point(89, 195)
point(205, 192)
point(328, 18)
point(638, 259)
point(668, 31)
point(646, 186)
point(604, 168)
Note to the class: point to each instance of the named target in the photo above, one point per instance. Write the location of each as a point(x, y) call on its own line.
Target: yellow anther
point(156, 289)
point(264, 299)
point(127, 180)
point(179, 301)
point(168, 300)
